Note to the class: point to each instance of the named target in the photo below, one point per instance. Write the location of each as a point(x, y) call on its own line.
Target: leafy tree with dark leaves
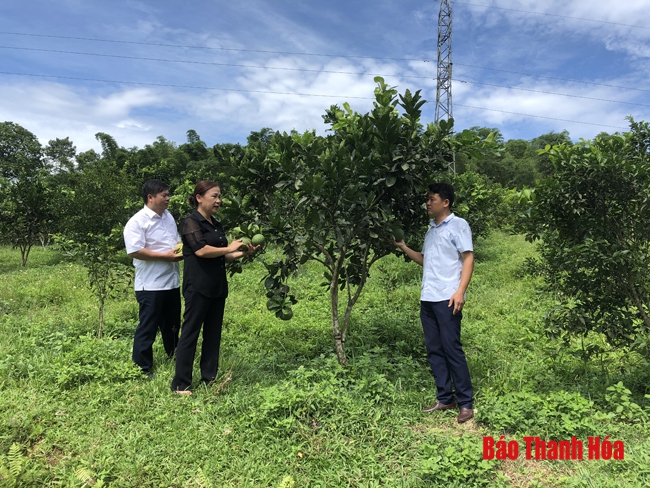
point(590, 218)
point(338, 199)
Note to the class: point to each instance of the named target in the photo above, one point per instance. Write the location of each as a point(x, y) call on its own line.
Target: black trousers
point(445, 352)
point(206, 311)
point(158, 310)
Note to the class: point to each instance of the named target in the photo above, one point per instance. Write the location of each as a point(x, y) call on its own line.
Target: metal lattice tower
point(444, 108)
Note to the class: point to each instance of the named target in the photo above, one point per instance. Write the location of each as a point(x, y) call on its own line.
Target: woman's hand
point(235, 245)
point(250, 249)
point(247, 249)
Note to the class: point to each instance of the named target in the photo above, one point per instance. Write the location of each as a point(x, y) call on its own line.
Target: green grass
point(285, 414)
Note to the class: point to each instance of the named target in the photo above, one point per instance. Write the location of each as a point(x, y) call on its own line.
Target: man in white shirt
point(447, 259)
point(151, 237)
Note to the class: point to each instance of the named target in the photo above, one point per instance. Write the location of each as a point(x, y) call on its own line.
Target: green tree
point(21, 155)
point(60, 155)
point(590, 218)
point(25, 210)
point(86, 158)
point(195, 148)
point(102, 256)
point(98, 201)
point(544, 164)
point(161, 160)
point(514, 164)
point(479, 202)
point(337, 199)
point(100, 194)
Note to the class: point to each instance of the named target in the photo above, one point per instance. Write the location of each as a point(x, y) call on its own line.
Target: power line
point(205, 47)
point(554, 78)
point(184, 86)
point(541, 116)
point(281, 93)
point(315, 54)
point(306, 70)
point(552, 15)
point(210, 63)
point(551, 93)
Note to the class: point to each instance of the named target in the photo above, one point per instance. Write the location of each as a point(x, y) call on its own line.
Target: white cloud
point(606, 22)
point(554, 112)
point(133, 125)
point(52, 110)
point(135, 116)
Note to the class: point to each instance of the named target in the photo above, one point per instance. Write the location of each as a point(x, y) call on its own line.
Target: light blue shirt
point(443, 245)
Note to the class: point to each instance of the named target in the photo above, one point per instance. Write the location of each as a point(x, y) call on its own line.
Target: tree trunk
point(352, 300)
point(339, 340)
point(101, 318)
point(24, 254)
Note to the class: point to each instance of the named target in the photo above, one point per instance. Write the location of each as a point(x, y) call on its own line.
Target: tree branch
point(325, 253)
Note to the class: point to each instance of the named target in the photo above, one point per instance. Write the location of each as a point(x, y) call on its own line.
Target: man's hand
point(401, 244)
point(171, 256)
point(414, 255)
point(457, 300)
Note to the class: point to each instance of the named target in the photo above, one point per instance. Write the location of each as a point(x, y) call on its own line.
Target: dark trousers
point(158, 310)
point(445, 352)
point(206, 311)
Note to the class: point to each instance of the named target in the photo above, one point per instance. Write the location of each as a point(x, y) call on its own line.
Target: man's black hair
point(444, 190)
point(153, 187)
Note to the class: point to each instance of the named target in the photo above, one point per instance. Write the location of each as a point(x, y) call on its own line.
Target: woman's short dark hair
point(444, 190)
point(200, 189)
point(153, 187)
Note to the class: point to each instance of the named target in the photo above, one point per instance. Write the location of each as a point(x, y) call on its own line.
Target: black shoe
point(148, 374)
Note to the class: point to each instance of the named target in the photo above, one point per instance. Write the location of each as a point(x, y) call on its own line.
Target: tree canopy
point(590, 219)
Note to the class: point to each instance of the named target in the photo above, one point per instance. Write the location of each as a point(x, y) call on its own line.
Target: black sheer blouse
point(206, 276)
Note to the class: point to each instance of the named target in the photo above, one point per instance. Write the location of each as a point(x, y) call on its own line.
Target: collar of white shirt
point(152, 214)
point(432, 223)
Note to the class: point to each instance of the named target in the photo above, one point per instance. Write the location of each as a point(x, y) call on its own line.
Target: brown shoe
point(465, 414)
point(183, 392)
point(439, 406)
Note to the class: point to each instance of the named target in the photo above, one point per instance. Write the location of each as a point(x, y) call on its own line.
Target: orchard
point(322, 372)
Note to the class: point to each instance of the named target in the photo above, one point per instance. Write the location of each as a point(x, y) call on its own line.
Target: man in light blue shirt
point(447, 259)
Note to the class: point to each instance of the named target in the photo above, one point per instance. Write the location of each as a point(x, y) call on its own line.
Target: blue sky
point(507, 62)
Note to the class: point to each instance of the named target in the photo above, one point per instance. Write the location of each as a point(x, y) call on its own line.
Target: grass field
point(75, 412)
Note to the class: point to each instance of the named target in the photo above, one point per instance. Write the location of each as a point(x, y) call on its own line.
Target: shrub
point(92, 359)
point(558, 415)
point(458, 461)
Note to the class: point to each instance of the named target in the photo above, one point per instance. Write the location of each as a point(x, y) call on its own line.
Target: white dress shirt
point(148, 230)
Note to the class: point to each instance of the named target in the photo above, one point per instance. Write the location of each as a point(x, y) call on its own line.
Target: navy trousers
point(158, 310)
point(199, 311)
point(445, 353)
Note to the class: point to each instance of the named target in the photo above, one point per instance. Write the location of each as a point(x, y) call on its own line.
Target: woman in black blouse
point(205, 288)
